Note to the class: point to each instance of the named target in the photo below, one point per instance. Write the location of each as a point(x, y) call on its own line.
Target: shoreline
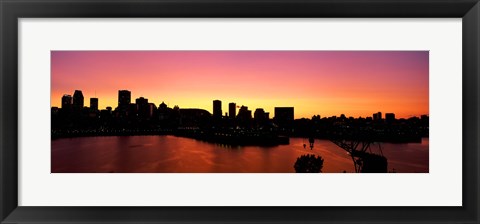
point(221, 137)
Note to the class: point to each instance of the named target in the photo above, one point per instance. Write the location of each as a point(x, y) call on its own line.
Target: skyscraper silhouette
point(143, 109)
point(94, 104)
point(217, 109)
point(124, 99)
point(259, 114)
point(284, 116)
point(232, 110)
point(377, 116)
point(78, 99)
point(66, 102)
point(389, 117)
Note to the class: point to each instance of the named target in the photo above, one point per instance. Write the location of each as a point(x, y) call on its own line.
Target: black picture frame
point(12, 10)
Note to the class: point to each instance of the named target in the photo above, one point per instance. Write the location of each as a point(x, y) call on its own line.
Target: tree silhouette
point(308, 164)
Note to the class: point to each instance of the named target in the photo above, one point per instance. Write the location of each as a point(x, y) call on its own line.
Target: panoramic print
point(239, 111)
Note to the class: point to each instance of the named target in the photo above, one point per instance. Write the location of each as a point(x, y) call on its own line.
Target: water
point(169, 154)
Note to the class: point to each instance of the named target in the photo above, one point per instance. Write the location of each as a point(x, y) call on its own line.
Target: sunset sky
point(327, 83)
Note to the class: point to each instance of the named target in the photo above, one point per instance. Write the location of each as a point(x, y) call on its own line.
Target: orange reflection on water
point(169, 154)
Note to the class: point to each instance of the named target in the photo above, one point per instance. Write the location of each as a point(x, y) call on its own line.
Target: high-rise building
point(124, 99)
point(259, 114)
point(377, 116)
point(389, 117)
point(244, 112)
point(151, 109)
point(232, 110)
point(94, 104)
point(260, 117)
point(78, 99)
point(244, 117)
point(66, 102)
point(143, 109)
point(284, 117)
point(217, 109)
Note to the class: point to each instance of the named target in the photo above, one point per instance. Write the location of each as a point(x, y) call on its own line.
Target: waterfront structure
point(194, 118)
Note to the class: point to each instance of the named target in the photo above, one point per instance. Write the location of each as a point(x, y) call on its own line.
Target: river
point(170, 154)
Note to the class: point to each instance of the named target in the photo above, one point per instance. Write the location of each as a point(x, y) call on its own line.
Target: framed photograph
point(251, 112)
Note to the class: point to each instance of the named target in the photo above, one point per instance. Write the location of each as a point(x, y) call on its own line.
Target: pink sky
point(328, 83)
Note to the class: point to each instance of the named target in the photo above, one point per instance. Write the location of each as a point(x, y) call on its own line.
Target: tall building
point(389, 117)
point(66, 102)
point(284, 117)
point(94, 104)
point(124, 99)
point(217, 109)
point(78, 99)
point(244, 112)
point(151, 109)
point(259, 114)
point(232, 110)
point(244, 117)
point(143, 108)
point(377, 116)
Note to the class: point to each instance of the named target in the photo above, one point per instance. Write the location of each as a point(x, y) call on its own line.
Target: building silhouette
point(78, 99)
point(389, 117)
point(232, 110)
point(194, 118)
point(124, 99)
point(244, 113)
point(217, 109)
point(142, 107)
point(284, 117)
point(151, 109)
point(260, 117)
point(143, 117)
point(162, 106)
point(66, 102)
point(94, 104)
point(259, 114)
point(244, 117)
point(163, 112)
point(377, 116)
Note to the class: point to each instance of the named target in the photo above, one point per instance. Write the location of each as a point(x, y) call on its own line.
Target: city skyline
point(226, 114)
point(257, 79)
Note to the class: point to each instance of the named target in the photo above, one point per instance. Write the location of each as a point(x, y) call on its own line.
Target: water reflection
point(169, 154)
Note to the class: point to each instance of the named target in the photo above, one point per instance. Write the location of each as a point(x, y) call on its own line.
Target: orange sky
point(328, 83)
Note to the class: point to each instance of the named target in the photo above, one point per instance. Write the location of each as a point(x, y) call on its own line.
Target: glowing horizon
point(326, 83)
